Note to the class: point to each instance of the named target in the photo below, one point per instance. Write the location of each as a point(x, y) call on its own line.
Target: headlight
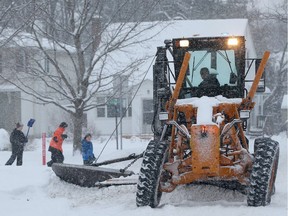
point(244, 114)
point(232, 42)
point(184, 43)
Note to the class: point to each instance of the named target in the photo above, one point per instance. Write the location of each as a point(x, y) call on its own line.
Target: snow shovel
point(30, 124)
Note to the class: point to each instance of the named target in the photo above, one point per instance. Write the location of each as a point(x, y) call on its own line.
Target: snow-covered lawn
point(33, 189)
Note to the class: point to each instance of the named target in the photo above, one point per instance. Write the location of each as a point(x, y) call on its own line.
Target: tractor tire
point(257, 141)
point(264, 171)
point(145, 178)
point(150, 173)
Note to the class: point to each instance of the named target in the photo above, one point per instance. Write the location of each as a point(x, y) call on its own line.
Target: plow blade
point(86, 176)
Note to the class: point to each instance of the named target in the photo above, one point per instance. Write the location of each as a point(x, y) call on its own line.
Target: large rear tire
point(264, 171)
point(148, 193)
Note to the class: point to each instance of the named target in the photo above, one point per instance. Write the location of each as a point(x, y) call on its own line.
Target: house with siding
point(21, 55)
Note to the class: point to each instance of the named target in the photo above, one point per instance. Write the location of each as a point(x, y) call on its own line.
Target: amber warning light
point(203, 129)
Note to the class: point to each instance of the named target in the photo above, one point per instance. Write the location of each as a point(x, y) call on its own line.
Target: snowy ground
point(33, 189)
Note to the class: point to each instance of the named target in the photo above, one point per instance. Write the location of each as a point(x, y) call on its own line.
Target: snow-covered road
point(34, 189)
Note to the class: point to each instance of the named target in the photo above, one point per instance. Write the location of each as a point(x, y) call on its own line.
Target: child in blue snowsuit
point(87, 150)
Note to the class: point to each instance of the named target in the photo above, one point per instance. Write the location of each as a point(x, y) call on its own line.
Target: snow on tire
point(264, 170)
point(150, 173)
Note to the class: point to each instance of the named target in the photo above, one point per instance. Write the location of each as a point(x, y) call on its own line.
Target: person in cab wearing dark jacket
point(210, 85)
point(209, 79)
point(18, 140)
point(55, 146)
point(87, 150)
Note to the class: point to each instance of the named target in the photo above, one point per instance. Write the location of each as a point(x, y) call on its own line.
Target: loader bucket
point(86, 176)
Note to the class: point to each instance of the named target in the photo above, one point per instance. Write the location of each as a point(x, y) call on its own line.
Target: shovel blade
point(30, 122)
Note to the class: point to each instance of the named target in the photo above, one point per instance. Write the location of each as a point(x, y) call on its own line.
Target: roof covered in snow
point(24, 39)
point(7, 88)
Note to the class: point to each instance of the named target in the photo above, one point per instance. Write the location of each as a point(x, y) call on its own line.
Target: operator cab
point(216, 66)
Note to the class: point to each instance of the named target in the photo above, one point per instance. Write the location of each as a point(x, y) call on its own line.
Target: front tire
point(148, 193)
point(264, 170)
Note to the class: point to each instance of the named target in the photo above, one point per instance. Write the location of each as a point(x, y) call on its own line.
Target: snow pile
point(205, 106)
point(4, 140)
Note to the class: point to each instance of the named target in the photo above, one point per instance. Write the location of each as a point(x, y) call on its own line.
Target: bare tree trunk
point(77, 130)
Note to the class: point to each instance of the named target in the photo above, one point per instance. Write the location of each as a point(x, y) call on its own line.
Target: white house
point(16, 105)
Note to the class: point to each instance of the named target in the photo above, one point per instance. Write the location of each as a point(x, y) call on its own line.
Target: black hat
point(18, 125)
point(63, 125)
point(87, 135)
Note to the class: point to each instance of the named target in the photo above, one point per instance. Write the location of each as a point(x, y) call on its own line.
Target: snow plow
point(199, 130)
point(94, 175)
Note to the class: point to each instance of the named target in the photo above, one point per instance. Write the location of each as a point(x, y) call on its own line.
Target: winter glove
point(55, 139)
point(64, 136)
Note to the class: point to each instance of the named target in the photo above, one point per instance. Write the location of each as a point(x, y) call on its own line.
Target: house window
point(101, 109)
point(147, 111)
point(21, 61)
point(260, 121)
point(112, 110)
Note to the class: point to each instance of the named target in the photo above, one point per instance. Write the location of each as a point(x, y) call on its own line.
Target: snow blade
point(86, 176)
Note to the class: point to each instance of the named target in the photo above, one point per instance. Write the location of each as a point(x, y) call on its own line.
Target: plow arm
point(178, 86)
point(130, 157)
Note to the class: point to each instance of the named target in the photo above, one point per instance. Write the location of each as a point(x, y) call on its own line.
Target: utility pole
point(116, 123)
point(114, 103)
point(121, 111)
